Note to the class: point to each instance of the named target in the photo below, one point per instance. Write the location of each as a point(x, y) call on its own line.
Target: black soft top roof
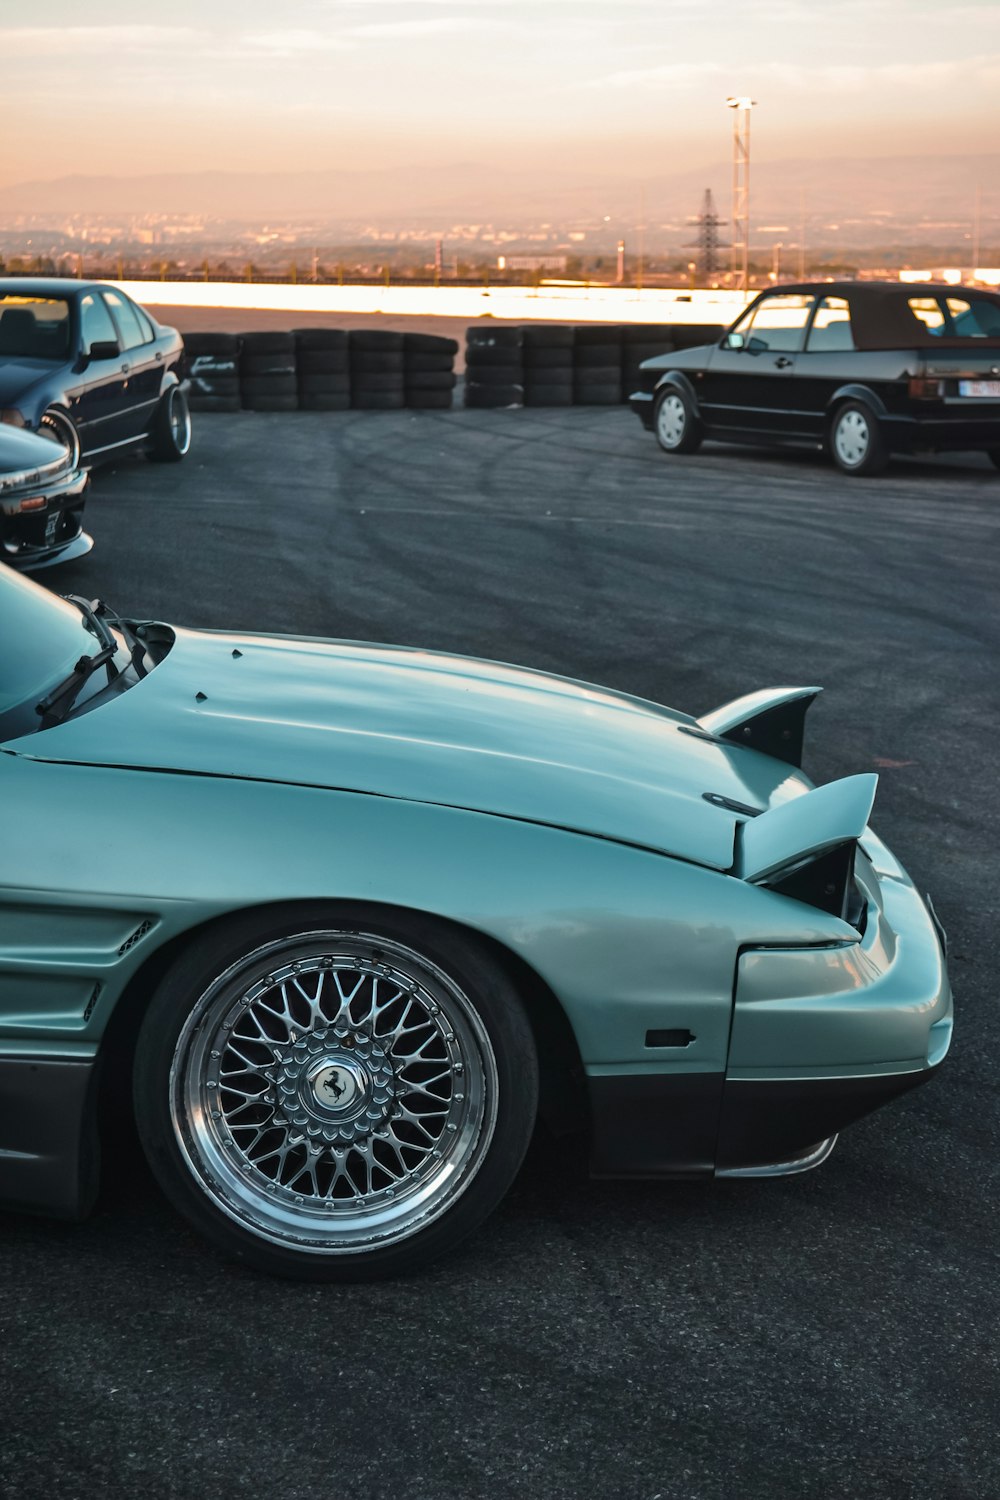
point(881, 317)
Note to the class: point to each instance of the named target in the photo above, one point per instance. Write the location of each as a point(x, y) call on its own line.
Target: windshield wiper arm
point(54, 707)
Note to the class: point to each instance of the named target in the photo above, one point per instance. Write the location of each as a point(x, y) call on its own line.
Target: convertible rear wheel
point(678, 429)
point(856, 440)
point(170, 437)
point(59, 427)
point(340, 1100)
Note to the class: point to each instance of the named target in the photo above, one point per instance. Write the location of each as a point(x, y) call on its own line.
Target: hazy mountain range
point(938, 192)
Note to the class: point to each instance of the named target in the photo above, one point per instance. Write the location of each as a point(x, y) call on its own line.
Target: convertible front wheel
point(336, 1101)
point(677, 428)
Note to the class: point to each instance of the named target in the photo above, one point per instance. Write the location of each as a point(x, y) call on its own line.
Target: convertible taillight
point(922, 389)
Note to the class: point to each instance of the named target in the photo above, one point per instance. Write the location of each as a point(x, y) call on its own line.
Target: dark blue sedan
point(85, 365)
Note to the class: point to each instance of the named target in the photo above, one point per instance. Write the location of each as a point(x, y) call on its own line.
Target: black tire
point(271, 403)
point(494, 374)
point(373, 383)
point(323, 362)
point(428, 400)
point(481, 357)
point(324, 401)
point(418, 363)
point(367, 362)
point(170, 435)
point(694, 335)
point(320, 340)
point(432, 344)
point(603, 334)
point(199, 402)
point(430, 380)
point(266, 366)
point(540, 394)
point(659, 334)
point(597, 357)
point(58, 426)
point(276, 1216)
point(993, 454)
point(324, 385)
point(856, 441)
point(676, 424)
point(548, 336)
point(211, 383)
point(375, 341)
point(542, 357)
point(268, 385)
point(226, 345)
point(481, 336)
point(363, 400)
point(496, 396)
point(268, 342)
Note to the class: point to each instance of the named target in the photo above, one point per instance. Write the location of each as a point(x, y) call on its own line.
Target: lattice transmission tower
point(707, 244)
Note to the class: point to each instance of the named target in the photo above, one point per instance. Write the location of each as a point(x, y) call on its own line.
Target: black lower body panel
point(655, 1126)
point(49, 1154)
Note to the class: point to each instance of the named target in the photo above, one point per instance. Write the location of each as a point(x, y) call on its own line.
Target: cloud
point(839, 77)
point(292, 43)
point(436, 26)
point(76, 41)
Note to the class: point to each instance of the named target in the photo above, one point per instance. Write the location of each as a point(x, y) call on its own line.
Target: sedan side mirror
point(103, 349)
point(734, 341)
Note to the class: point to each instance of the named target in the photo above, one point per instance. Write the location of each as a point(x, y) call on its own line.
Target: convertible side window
point(132, 330)
point(779, 323)
point(831, 327)
point(96, 326)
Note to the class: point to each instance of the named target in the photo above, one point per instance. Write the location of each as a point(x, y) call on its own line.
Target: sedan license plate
point(51, 526)
point(979, 388)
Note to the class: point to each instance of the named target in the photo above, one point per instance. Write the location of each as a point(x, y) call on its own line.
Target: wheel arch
point(562, 1098)
point(853, 391)
point(678, 381)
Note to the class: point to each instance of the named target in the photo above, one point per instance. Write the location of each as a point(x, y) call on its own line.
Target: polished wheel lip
point(56, 427)
point(180, 420)
point(852, 438)
point(671, 420)
point(430, 1177)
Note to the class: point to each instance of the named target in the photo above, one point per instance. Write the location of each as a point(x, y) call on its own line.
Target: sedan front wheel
point(338, 1102)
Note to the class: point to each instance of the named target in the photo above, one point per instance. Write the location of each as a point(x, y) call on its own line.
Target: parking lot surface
point(821, 1337)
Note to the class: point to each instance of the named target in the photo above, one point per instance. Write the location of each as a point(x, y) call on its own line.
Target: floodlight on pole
point(741, 105)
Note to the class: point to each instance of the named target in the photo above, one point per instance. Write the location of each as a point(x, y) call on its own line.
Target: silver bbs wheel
point(334, 1092)
point(671, 421)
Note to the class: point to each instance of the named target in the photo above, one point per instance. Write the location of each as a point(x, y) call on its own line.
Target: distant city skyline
point(631, 86)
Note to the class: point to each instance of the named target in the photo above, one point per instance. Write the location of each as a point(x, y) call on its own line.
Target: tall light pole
point(741, 105)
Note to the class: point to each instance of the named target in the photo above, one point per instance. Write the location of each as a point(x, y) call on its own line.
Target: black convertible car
point(85, 365)
point(859, 369)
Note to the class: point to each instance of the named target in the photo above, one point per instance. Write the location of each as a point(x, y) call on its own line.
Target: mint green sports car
point(348, 918)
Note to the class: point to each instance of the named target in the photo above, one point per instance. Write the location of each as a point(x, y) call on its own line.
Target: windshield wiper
point(54, 707)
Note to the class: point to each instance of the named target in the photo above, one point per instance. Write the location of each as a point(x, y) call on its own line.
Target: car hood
point(432, 728)
point(18, 376)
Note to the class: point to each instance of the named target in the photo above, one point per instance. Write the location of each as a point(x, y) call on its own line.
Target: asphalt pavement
point(832, 1336)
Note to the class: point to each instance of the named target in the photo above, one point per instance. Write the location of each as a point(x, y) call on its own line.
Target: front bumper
point(641, 402)
point(52, 532)
point(820, 1037)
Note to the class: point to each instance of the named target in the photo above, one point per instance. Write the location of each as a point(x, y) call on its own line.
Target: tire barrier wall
point(319, 369)
point(561, 364)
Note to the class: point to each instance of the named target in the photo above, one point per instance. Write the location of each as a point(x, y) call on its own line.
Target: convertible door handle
point(124, 369)
point(782, 363)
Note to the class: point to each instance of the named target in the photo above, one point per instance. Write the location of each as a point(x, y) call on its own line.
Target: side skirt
point(49, 1152)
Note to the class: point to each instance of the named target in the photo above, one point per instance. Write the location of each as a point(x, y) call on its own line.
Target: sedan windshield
point(33, 327)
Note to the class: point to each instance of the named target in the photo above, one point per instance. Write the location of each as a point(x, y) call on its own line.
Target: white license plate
point(979, 387)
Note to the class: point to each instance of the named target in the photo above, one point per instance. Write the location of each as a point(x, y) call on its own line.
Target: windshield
point(33, 327)
point(43, 638)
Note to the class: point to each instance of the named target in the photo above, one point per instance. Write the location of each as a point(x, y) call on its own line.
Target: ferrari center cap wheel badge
point(337, 1085)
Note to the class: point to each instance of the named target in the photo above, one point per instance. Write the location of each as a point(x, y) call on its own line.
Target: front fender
point(678, 380)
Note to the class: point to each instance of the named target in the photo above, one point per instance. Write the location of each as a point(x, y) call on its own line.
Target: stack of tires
point(597, 364)
point(642, 341)
point(548, 364)
point(376, 358)
point(494, 369)
point(267, 372)
point(323, 369)
point(212, 362)
point(693, 335)
point(428, 371)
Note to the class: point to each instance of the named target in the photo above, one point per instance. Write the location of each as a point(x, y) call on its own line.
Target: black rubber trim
point(49, 1152)
point(662, 1125)
point(770, 1121)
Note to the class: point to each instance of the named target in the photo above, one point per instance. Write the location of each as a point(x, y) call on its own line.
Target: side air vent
point(95, 995)
point(135, 937)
